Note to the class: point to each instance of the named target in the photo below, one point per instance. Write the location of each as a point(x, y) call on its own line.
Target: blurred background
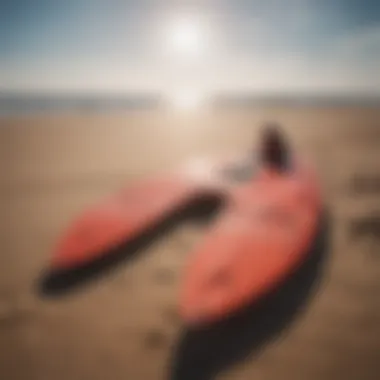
point(96, 94)
point(187, 51)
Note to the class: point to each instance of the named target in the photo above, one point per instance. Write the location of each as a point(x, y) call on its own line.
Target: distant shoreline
point(25, 104)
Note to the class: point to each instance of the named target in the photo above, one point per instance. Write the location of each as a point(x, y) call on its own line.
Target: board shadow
point(203, 353)
point(200, 209)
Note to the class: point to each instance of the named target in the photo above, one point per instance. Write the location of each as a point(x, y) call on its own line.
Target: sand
point(124, 325)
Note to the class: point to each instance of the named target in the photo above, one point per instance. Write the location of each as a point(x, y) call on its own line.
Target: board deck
point(261, 236)
point(120, 218)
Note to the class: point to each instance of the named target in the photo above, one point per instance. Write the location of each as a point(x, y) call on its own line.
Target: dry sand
point(124, 325)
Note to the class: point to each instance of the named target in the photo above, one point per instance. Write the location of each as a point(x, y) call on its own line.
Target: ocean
point(24, 104)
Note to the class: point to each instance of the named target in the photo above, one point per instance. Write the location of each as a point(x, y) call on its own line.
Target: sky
point(211, 45)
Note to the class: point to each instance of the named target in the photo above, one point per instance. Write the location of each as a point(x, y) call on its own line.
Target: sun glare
point(184, 38)
point(187, 100)
point(184, 44)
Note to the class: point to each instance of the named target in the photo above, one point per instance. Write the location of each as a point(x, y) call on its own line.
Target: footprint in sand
point(16, 310)
point(365, 184)
point(367, 226)
point(170, 315)
point(6, 312)
point(164, 276)
point(154, 339)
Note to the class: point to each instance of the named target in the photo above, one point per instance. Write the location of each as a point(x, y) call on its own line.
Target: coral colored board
point(123, 216)
point(119, 218)
point(269, 220)
point(262, 235)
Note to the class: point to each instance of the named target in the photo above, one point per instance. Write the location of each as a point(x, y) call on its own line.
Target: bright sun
point(184, 43)
point(184, 38)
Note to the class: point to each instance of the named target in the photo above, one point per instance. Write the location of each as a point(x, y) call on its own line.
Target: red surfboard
point(119, 218)
point(125, 215)
point(262, 235)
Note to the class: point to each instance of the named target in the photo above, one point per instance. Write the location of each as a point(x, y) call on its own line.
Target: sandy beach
point(124, 325)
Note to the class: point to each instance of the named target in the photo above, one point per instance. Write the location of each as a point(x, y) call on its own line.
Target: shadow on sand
point(202, 354)
point(55, 283)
